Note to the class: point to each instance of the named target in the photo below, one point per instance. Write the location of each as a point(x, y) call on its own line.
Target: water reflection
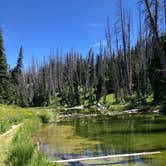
point(103, 135)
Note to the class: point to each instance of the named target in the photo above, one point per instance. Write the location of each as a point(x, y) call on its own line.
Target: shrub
point(46, 117)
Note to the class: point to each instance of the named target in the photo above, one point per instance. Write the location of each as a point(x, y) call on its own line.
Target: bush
point(47, 117)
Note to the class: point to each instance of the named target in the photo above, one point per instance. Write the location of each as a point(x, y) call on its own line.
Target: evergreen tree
point(76, 98)
point(4, 78)
point(17, 71)
point(19, 82)
point(41, 96)
point(99, 76)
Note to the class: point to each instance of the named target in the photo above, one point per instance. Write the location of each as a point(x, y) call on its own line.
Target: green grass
point(144, 104)
point(11, 115)
point(4, 146)
point(38, 159)
point(119, 107)
point(110, 99)
point(22, 151)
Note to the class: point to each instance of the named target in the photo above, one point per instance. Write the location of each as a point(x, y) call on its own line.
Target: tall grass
point(22, 151)
point(11, 115)
point(4, 126)
point(38, 159)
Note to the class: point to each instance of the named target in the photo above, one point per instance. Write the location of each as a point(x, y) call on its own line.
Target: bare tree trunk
point(129, 72)
point(153, 18)
point(123, 31)
point(114, 73)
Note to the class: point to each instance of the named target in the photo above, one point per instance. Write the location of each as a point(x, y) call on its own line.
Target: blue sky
point(43, 25)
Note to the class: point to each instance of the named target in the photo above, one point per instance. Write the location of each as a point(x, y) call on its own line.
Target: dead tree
point(114, 74)
point(152, 17)
point(124, 43)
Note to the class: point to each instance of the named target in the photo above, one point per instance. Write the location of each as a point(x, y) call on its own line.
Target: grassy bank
point(11, 115)
point(144, 103)
point(22, 151)
point(21, 146)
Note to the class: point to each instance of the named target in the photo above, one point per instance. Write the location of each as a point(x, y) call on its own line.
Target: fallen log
point(107, 157)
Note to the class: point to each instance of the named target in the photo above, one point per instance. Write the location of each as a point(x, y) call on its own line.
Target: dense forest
point(121, 67)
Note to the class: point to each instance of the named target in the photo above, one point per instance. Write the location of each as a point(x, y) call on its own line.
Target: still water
point(107, 135)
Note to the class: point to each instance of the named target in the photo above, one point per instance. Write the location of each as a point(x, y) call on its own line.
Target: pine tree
point(3, 72)
point(19, 82)
point(99, 76)
point(16, 73)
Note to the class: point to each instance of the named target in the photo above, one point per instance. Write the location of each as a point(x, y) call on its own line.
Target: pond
point(107, 135)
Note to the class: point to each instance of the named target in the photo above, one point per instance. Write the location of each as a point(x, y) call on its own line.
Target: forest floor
point(109, 106)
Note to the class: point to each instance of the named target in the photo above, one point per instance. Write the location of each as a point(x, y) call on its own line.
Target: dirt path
point(5, 140)
point(14, 127)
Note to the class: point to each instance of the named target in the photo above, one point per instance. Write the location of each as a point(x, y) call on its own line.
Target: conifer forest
point(119, 67)
point(102, 106)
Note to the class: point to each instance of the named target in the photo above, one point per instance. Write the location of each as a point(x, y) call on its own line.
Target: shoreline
point(114, 113)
